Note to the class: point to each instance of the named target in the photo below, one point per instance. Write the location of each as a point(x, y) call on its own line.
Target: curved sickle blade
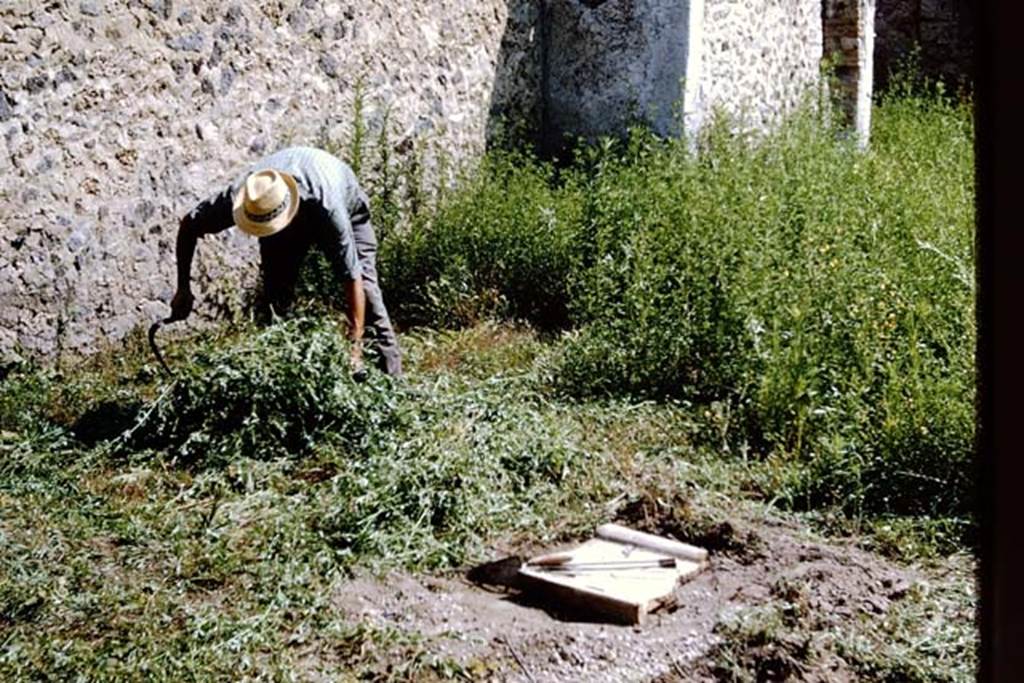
point(156, 350)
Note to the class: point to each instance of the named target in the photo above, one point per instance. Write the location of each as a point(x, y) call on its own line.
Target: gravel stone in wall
point(116, 116)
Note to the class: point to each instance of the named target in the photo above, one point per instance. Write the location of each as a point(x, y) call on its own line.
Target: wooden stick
point(550, 560)
point(612, 564)
point(621, 534)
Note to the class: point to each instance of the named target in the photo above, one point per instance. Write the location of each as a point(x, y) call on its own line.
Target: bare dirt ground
point(501, 634)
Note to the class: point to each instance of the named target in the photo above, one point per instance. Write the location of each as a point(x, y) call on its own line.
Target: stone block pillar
point(609, 63)
point(848, 28)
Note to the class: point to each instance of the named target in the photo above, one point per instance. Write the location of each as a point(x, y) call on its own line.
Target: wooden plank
point(620, 581)
point(589, 600)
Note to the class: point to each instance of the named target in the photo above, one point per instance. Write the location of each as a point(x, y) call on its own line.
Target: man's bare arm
point(185, 248)
point(356, 319)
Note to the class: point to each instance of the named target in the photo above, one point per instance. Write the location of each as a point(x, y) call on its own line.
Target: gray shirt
point(329, 195)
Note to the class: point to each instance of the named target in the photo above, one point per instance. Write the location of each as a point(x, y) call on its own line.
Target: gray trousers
point(281, 257)
point(384, 341)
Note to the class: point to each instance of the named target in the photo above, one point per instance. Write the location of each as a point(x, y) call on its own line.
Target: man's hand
point(356, 316)
point(181, 305)
point(356, 361)
point(185, 248)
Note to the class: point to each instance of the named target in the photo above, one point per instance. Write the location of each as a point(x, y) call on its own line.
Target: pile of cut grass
point(279, 392)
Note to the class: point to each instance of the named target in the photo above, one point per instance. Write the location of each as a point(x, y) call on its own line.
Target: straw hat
point(267, 202)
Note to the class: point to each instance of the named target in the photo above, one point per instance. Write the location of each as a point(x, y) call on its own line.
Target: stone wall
point(117, 116)
point(943, 30)
point(759, 57)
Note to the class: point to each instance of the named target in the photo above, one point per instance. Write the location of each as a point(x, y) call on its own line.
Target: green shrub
point(501, 244)
point(654, 293)
point(823, 292)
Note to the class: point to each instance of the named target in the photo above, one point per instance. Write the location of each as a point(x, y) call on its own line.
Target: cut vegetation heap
point(279, 394)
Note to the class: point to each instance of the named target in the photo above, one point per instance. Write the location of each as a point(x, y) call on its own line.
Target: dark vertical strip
point(547, 135)
point(915, 25)
point(984, 443)
point(1000, 271)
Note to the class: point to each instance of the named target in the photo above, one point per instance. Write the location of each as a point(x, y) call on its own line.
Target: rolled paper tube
point(621, 534)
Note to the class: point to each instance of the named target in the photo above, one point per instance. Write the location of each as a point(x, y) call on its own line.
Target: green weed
point(501, 245)
point(820, 295)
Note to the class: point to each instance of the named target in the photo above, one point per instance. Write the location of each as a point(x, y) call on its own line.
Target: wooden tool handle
point(550, 560)
point(621, 534)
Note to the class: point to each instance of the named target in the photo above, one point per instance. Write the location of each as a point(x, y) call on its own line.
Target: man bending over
point(292, 200)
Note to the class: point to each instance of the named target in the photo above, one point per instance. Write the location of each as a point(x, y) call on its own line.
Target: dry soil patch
point(516, 638)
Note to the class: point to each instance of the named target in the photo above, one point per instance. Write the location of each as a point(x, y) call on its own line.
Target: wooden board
point(621, 581)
